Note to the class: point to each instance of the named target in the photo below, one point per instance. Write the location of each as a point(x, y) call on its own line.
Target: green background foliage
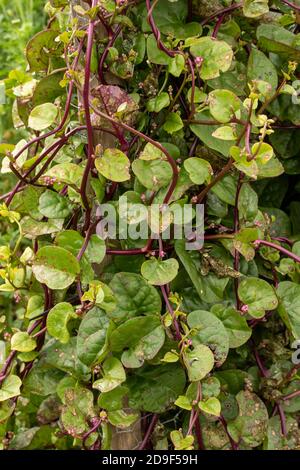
point(188, 102)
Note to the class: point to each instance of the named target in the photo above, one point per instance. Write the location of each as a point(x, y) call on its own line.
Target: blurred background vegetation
point(19, 21)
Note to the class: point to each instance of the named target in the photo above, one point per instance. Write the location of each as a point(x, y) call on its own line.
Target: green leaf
point(180, 442)
point(170, 357)
point(236, 326)
point(206, 134)
point(165, 383)
point(252, 423)
point(170, 18)
point(275, 440)
point(32, 229)
point(78, 409)
point(289, 306)
point(101, 295)
point(183, 402)
point(6, 410)
point(226, 189)
point(255, 8)
point(211, 406)
point(122, 420)
point(209, 330)
point(54, 206)
point(96, 249)
point(199, 170)
point(176, 65)
point(248, 202)
point(92, 345)
point(277, 39)
point(10, 387)
point(154, 54)
point(173, 123)
point(223, 105)
point(114, 165)
point(225, 133)
point(211, 387)
point(42, 381)
point(210, 288)
point(42, 116)
point(293, 404)
point(113, 375)
point(158, 103)
point(55, 267)
point(113, 400)
point(199, 362)
point(32, 438)
point(243, 242)
point(40, 48)
point(153, 174)
point(158, 272)
point(258, 295)
point(140, 338)
point(261, 68)
point(67, 173)
point(134, 296)
point(271, 169)
point(151, 152)
point(64, 357)
point(217, 56)
point(48, 88)
point(57, 321)
point(23, 342)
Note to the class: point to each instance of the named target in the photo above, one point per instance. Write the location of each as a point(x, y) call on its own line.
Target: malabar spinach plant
point(161, 102)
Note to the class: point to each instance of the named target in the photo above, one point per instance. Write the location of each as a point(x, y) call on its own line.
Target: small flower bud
point(198, 61)
point(244, 309)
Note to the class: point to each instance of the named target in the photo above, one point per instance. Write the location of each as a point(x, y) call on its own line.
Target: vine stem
point(224, 11)
point(89, 432)
point(236, 229)
point(55, 147)
point(151, 141)
point(172, 313)
point(155, 30)
point(198, 431)
point(279, 248)
point(7, 365)
point(105, 53)
point(233, 444)
point(291, 395)
point(86, 103)
point(265, 373)
point(292, 5)
point(218, 178)
point(282, 418)
point(149, 432)
point(218, 26)
point(65, 115)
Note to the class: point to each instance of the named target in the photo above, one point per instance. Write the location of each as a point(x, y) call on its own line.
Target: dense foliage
point(163, 102)
point(19, 20)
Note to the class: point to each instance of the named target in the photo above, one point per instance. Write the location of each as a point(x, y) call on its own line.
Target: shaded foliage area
point(162, 104)
point(19, 20)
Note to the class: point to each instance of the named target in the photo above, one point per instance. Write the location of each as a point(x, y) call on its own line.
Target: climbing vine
point(187, 343)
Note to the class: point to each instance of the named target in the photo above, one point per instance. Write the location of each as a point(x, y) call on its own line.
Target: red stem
point(66, 112)
point(222, 12)
point(149, 432)
point(156, 31)
point(292, 5)
point(218, 26)
point(279, 248)
point(86, 103)
point(172, 313)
